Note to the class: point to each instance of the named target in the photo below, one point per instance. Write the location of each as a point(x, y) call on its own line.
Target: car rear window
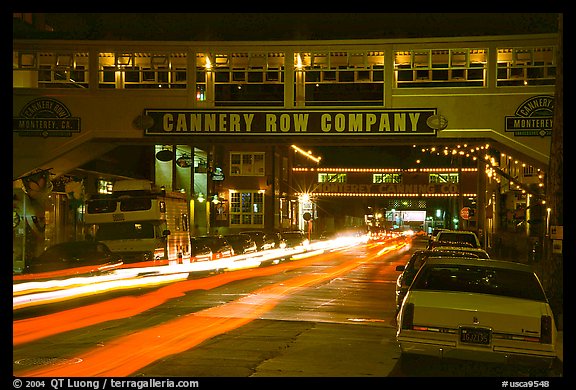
point(484, 280)
point(457, 239)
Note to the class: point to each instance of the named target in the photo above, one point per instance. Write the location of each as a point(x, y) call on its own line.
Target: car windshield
point(480, 279)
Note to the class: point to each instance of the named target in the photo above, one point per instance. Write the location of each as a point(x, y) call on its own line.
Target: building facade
point(220, 119)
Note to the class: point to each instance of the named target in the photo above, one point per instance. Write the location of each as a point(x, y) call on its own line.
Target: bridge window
point(248, 79)
point(349, 78)
point(526, 66)
point(247, 208)
point(378, 178)
point(61, 69)
point(130, 70)
point(440, 68)
point(247, 164)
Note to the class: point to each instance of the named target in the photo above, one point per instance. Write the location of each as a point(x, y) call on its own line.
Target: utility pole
point(552, 267)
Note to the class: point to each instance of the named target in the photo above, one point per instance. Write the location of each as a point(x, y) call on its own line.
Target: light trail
point(39, 327)
point(47, 291)
point(125, 355)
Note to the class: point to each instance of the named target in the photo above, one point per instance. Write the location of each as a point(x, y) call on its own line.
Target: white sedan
point(489, 311)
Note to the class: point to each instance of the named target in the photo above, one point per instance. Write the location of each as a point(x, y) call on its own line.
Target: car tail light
point(546, 330)
point(407, 315)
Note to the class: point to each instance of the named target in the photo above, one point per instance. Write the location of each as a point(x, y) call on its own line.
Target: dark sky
point(287, 26)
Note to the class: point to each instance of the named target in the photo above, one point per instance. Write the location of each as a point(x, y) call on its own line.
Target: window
point(247, 164)
point(378, 178)
point(142, 70)
point(135, 204)
point(352, 78)
point(480, 279)
point(249, 78)
point(440, 68)
point(124, 230)
point(331, 178)
point(64, 69)
point(443, 178)
point(526, 66)
point(104, 186)
point(247, 208)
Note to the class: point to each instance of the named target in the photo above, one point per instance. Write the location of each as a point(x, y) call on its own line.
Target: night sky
point(286, 26)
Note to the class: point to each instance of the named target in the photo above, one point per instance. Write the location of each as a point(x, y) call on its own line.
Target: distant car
point(75, 257)
point(263, 240)
point(418, 258)
point(241, 243)
point(293, 239)
point(218, 244)
point(489, 310)
point(460, 238)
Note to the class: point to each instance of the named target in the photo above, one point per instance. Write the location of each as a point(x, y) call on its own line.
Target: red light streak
point(39, 327)
point(127, 354)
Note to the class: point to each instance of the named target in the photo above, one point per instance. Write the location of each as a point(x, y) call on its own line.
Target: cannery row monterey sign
point(299, 122)
point(533, 117)
point(45, 117)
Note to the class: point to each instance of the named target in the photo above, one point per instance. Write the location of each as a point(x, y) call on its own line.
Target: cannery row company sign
point(533, 117)
point(45, 117)
point(375, 189)
point(288, 122)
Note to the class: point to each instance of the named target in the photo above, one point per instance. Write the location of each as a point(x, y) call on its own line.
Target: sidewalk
point(560, 346)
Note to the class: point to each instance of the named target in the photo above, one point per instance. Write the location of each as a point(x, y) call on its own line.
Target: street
point(327, 315)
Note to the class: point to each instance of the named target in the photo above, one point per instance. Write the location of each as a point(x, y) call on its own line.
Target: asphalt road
point(326, 316)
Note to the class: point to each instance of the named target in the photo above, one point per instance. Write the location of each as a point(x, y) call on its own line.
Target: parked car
point(489, 310)
point(412, 266)
point(200, 251)
point(295, 238)
point(75, 257)
point(433, 235)
point(263, 240)
point(241, 243)
point(455, 238)
point(277, 238)
point(218, 244)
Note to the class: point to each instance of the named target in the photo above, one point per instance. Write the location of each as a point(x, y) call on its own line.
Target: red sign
point(465, 212)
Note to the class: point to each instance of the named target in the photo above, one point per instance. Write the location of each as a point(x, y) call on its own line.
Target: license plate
point(479, 336)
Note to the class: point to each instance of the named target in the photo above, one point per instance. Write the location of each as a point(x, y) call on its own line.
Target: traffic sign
point(465, 212)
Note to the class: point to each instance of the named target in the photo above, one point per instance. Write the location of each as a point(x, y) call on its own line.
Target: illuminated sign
point(45, 117)
point(383, 189)
point(290, 122)
point(533, 117)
